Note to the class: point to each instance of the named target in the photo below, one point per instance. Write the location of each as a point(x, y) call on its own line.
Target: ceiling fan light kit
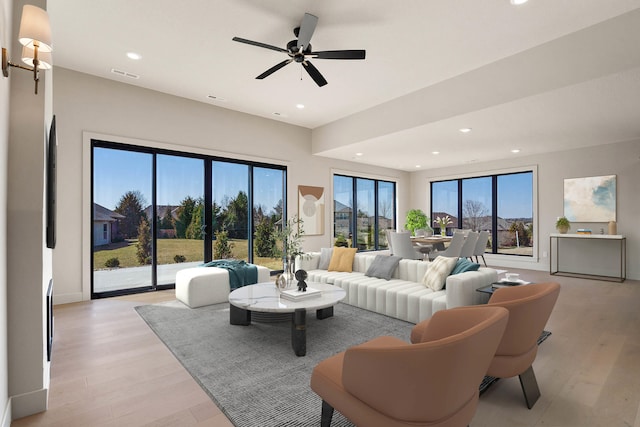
point(300, 51)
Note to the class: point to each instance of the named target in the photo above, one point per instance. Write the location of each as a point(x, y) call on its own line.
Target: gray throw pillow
point(383, 266)
point(325, 258)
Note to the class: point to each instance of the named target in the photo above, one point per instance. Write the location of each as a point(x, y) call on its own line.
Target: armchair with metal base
point(388, 382)
point(529, 309)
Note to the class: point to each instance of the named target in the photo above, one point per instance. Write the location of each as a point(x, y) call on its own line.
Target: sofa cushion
point(325, 258)
point(463, 265)
point(342, 259)
point(436, 276)
point(383, 266)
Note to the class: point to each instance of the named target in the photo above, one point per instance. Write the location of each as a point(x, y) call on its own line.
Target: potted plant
point(416, 219)
point(563, 225)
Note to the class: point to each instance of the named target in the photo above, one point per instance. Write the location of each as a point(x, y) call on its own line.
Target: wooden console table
point(594, 256)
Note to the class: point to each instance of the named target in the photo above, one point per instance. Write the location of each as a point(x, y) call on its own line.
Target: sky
point(117, 172)
point(515, 193)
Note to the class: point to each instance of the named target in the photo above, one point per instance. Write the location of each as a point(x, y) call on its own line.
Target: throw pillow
point(463, 265)
point(342, 259)
point(383, 266)
point(325, 258)
point(436, 275)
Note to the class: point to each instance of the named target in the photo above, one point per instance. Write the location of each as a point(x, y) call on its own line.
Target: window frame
point(534, 257)
point(376, 206)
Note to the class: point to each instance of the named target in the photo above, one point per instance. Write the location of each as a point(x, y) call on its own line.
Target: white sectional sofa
point(404, 296)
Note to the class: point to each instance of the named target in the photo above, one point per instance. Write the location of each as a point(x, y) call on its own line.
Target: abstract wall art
point(311, 209)
point(591, 199)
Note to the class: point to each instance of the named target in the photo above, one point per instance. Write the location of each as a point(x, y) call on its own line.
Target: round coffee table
point(264, 297)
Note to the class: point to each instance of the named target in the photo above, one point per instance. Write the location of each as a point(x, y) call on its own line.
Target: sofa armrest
point(461, 288)
point(307, 262)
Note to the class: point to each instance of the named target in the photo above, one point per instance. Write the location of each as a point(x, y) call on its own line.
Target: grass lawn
point(192, 250)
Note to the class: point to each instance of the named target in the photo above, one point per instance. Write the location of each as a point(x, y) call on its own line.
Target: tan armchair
point(529, 309)
point(388, 382)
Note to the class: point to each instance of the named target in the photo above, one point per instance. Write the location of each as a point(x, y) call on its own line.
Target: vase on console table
point(613, 228)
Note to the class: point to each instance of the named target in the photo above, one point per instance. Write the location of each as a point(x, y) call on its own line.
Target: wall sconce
point(35, 36)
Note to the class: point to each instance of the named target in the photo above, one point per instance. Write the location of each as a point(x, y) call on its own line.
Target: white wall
point(87, 106)
point(29, 263)
point(621, 159)
point(5, 32)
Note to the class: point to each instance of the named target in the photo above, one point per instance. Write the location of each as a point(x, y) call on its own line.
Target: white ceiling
point(544, 76)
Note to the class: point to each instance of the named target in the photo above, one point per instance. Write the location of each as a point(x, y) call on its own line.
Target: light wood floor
point(109, 368)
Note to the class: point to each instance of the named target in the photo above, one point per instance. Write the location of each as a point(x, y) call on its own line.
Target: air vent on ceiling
point(125, 74)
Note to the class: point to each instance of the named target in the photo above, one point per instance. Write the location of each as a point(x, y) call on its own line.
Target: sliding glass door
point(122, 193)
point(179, 211)
point(156, 212)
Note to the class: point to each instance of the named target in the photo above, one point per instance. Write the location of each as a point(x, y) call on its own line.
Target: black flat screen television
point(51, 185)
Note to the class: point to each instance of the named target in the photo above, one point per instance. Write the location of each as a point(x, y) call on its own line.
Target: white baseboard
point(26, 404)
point(6, 415)
point(67, 298)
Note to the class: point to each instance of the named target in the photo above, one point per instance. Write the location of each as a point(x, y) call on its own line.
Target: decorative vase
point(443, 232)
point(563, 229)
point(613, 228)
point(288, 270)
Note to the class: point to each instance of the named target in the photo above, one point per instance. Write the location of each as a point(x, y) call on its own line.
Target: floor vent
point(125, 74)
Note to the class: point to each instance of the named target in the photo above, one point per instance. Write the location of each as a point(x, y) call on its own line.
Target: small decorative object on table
point(301, 276)
point(563, 225)
point(442, 223)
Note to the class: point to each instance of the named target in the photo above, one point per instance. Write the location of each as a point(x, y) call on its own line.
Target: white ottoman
point(200, 286)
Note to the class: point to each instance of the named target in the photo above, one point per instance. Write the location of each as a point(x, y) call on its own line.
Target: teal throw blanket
point(240, 272)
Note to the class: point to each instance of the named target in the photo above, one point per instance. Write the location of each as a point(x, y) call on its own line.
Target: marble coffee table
point(264, 297)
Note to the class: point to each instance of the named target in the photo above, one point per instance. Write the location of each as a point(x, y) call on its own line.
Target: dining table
point(436, 242)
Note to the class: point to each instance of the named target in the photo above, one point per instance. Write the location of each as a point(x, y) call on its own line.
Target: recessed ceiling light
point(279, 114)
point(418, 166)
point(515, 150)
point(133, 55)
point(359, 154)
point(300, 106)
point(435, 152)
point(465, 130)
point(217, 98)
point(518, 2)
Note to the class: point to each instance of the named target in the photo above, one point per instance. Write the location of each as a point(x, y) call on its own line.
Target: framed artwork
point(311, 209)
point(591, 199)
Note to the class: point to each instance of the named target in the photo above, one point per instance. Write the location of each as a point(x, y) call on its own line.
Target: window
point(373, 202)
point(157, 211)
point(501, 204)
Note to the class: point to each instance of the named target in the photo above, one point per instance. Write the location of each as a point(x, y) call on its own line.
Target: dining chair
point(402, 245)
point(389, 382)
point(469, 245)
point(481, 246)
point(423, 248)
point(387, 233)
point(455, 246)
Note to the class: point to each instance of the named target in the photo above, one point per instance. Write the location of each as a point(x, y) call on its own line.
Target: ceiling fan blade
point(264, 45)
point(339, 54)
point(307, 28)
point(274, 69)
point(314, 73)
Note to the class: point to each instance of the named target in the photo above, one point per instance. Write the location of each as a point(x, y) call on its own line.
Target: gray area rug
point(251, 372)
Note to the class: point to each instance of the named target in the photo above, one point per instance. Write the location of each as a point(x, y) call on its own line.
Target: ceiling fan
point(300, 51)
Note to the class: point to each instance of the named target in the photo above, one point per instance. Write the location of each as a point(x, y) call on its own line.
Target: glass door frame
point(208, 202)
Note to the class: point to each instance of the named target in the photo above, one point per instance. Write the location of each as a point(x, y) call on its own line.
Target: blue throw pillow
point(463, 265)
